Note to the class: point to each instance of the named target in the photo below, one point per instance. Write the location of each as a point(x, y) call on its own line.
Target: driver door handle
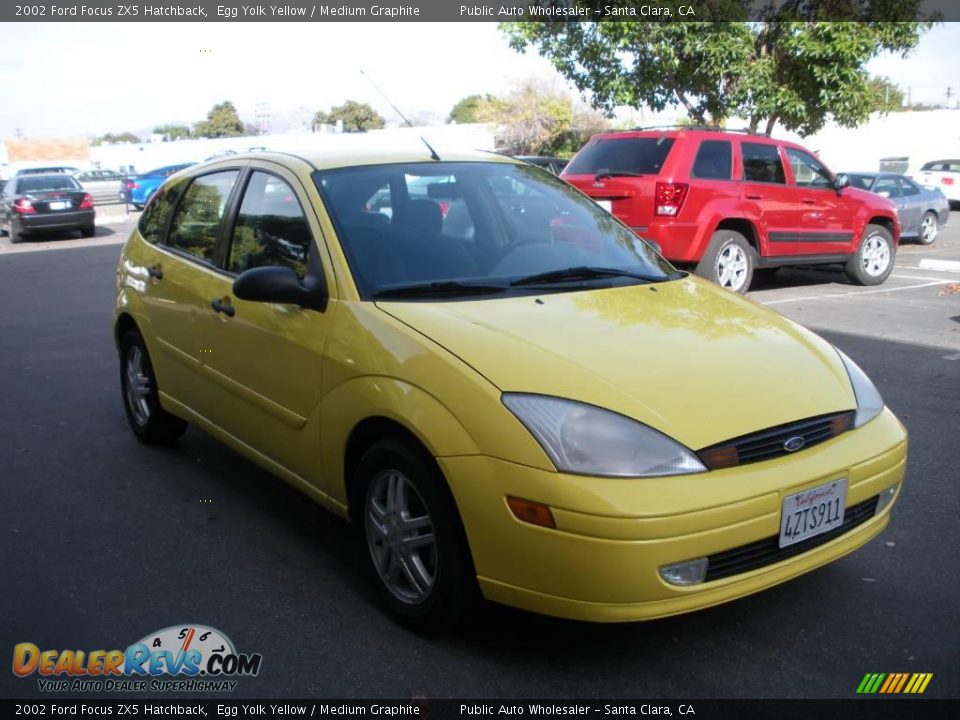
point(223, 307)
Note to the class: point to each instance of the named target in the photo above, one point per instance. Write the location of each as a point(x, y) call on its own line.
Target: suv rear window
point(943, 166)
point(644, 155)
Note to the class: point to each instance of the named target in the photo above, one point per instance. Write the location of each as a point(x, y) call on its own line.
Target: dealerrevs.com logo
point(186, 658)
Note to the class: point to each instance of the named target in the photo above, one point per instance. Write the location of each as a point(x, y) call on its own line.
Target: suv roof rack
point(714, 128)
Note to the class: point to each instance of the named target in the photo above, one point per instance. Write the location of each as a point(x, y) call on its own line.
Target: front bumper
point(54, 221)
point(602, 561)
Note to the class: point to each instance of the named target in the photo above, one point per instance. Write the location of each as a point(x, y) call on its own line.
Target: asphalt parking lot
point(106, 540)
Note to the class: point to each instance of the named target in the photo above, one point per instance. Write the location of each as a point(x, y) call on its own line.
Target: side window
point(807, 170)
point(154, 219)
point(196, 226)
point(713, 160)
point(887, 186)
point(271, 228)
point(907, 188)
point(761, 163)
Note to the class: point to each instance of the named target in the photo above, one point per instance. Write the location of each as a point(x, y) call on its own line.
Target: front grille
point(770, 443)
point(768, 551)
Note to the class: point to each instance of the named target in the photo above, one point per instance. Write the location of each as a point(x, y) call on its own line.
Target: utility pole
point(262, 113)
point(949, 93)
point(19, 133)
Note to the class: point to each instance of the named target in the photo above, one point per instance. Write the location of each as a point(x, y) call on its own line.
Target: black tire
point(15, 237)
point(150, 423)
point(88, 232)
point(929, 228)
point(873, 261)
point(137, 207)
point(444, 569)
point(729, 261)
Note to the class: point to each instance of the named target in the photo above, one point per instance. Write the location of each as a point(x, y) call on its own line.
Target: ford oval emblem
point(794, 443)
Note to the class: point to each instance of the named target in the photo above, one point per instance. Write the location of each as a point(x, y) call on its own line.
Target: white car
point(943, 175)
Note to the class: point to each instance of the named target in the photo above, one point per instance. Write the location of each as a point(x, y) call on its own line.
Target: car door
point(265, 359)
point(766, 198)
point(176, 271)
point(912, 206)
point(826, 216)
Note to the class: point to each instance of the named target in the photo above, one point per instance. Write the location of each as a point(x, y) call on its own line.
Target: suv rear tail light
point(24, 207)
point(669, 198)
point(87, 202)
point(947, 180)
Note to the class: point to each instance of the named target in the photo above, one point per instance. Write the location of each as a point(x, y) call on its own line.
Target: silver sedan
point(922, 211)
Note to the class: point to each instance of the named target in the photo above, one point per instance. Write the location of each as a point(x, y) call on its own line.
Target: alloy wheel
point(732, 267)
point(928, 229)
point(875, 257)
point(137, 386)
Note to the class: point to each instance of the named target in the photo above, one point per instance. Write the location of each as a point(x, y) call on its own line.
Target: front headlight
point(869, 402)
point(588, 440)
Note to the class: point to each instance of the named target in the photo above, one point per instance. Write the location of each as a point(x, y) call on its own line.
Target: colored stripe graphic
point(894, 683)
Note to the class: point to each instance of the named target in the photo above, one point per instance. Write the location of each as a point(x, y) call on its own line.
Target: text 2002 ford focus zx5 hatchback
point(500, 384)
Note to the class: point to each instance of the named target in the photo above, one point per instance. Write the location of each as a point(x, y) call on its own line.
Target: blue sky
point(63, 79)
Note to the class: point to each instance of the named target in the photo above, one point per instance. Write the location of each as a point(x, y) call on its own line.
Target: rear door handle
point(155, 271)
point(223, 307)
point(808, 201)
point(754, 197)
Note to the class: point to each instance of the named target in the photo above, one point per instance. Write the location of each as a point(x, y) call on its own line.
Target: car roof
point(343, 156)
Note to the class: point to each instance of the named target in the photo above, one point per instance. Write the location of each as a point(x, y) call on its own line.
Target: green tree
point(173, 132)
point(222, 121)
point(465, 111)
point(356, 117)
point(887, 96)
point(537, 120)
point(115, 138)
point(785, 66)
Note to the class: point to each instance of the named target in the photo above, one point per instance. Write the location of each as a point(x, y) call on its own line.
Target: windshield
point(43, 183)
point(462, 229)
point(630, 155)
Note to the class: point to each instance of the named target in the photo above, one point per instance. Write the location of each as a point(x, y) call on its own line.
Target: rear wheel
point(417, 547)
point(929, 228)
point(729, 261)
point(88, 232)
point(873, 261)
point(150, 423)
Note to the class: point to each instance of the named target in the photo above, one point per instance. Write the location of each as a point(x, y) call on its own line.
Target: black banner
point(468, 10)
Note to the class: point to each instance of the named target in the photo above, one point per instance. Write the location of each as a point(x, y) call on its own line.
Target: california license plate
point(812, 512)
point(605, 204)
point(59, 205)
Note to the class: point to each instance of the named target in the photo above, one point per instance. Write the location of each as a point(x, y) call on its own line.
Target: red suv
point(729, 203)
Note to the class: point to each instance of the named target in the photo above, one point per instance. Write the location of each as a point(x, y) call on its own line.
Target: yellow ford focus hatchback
point(503, 387)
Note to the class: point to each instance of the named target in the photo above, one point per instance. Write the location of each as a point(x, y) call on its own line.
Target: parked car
point(923, 211)
point(139, 189)
point(103, 185)
point(546, 411)
point(50, 170)
point(727, 203)
point(942, 174)
point(32, 203)
point(553, 164)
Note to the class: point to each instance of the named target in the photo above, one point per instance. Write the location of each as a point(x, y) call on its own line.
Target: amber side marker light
point(722, 457)
point(532, 512)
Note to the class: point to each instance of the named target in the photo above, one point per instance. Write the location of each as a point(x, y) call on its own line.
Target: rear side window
point(713, 160)
point(154, 219)
point(199, 218)
point(271, 228)
point(641, 155)
point(761, 163)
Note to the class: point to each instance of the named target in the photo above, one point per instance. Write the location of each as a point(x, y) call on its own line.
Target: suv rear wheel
point(729, 261)
point(873, 261)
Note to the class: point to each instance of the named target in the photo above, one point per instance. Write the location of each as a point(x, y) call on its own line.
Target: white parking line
point(941, 265)
point(855, 293)
point(955, 356)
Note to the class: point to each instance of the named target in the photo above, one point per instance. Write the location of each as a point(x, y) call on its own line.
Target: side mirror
point(841, 181)
point(276, 284)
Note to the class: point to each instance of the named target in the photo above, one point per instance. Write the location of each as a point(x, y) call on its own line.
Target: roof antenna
point(433, 153)
point(395, 108)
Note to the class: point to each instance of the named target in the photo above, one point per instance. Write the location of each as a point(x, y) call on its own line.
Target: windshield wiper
point(579, 273)
point(616, 173)
point(438, 289)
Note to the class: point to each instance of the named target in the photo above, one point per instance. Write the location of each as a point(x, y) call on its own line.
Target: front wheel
point(729, 261)
point(141, 400)
point(417, 547)
point(873, 261)
point(929, 228)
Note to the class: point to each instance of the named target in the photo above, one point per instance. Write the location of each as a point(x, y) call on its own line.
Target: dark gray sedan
point(922, 211)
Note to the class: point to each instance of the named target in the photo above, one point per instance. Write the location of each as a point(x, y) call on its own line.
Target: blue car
point(138, 189)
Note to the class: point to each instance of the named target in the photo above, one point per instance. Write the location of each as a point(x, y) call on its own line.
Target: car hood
point(694, 361)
